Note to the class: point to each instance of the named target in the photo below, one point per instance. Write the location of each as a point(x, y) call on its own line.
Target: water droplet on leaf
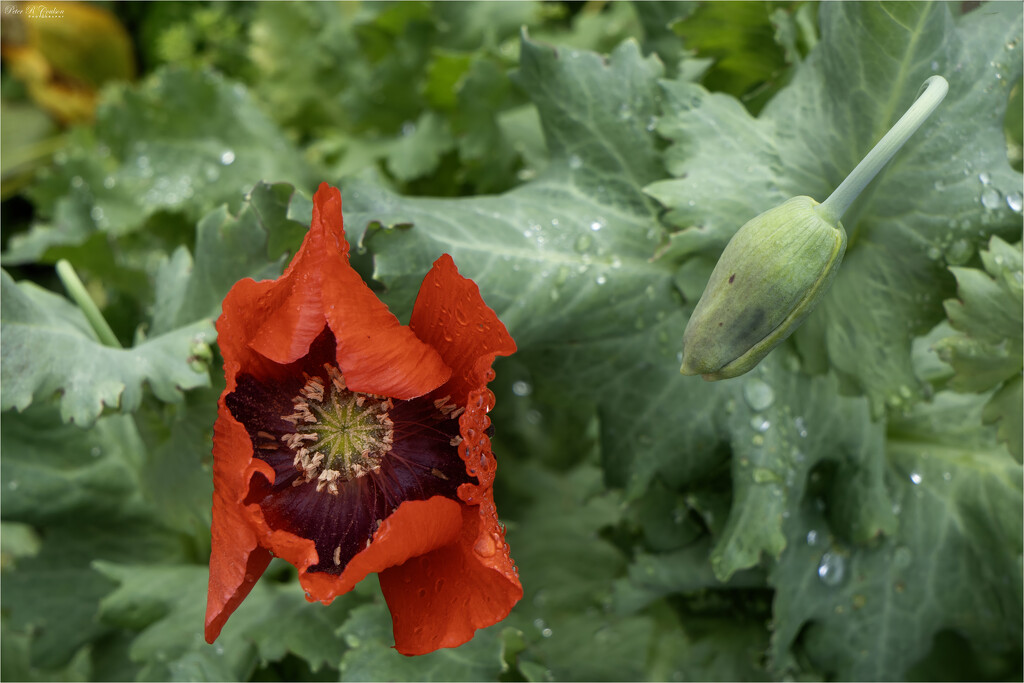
point(758, 395)
point(831, 569)
point(990, 198)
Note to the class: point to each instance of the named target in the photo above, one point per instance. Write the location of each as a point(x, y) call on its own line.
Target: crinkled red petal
point(417, 527)
point(280, 320)
point(441, 598)
point(451, 316)
point(236, 559)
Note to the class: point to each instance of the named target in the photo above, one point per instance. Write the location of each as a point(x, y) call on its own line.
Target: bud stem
point(833, 208)
point(76, 290)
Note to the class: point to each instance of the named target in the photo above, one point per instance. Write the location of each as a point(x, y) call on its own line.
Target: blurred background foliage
point(168, 149)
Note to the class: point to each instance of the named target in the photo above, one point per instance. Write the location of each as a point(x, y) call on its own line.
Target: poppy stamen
point(339, 434)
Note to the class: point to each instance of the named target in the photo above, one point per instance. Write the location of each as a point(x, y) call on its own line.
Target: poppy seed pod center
point(339, 434)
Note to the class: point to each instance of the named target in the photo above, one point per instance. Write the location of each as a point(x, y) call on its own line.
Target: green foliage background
point(852, 509)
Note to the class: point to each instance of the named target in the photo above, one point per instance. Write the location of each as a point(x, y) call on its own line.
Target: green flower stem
point(76, 290)
point(833, 208)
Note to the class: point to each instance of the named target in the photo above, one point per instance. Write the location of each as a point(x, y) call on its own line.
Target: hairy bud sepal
point(769, 278)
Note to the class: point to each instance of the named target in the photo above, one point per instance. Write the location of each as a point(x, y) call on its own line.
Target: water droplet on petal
point(758, 395)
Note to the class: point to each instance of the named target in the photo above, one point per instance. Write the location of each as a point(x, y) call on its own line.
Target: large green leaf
point(869, 612)
point(988, 351)
point(940, 197)
point(50, 350)
point(165, 605)
point(78, 489)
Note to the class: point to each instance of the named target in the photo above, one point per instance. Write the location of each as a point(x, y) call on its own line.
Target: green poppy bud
point(770, 276)
point(778, 265)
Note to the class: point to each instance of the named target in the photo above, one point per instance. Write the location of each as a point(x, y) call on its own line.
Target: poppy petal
point(415, 528)
point(441, 598)
point(375, 352)
point(236, 559)
point(451, 316)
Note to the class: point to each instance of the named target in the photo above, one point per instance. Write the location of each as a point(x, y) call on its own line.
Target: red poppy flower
point(347, 443)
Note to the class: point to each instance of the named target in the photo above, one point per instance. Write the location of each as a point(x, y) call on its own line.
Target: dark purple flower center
point(343, 460)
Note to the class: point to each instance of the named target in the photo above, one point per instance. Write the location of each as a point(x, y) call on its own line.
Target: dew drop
point(915, 478)
point(13, 485)
point(522, 388)
point(959, 252)
point(990, 198)
point(985, 178)
point(831, 569)
point(96, 213)
point(601, 279)
point(227, 157)
point(575, 161)
point(758, 395)
point(1015, 202)
point(801, 427)
point(596, 225)
point(95, 451)
point(934, 253)
point(408, 128)
point(109, 182)
point(760, 424)
point(946, 476)
point(812, 537)
point(77, 181)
